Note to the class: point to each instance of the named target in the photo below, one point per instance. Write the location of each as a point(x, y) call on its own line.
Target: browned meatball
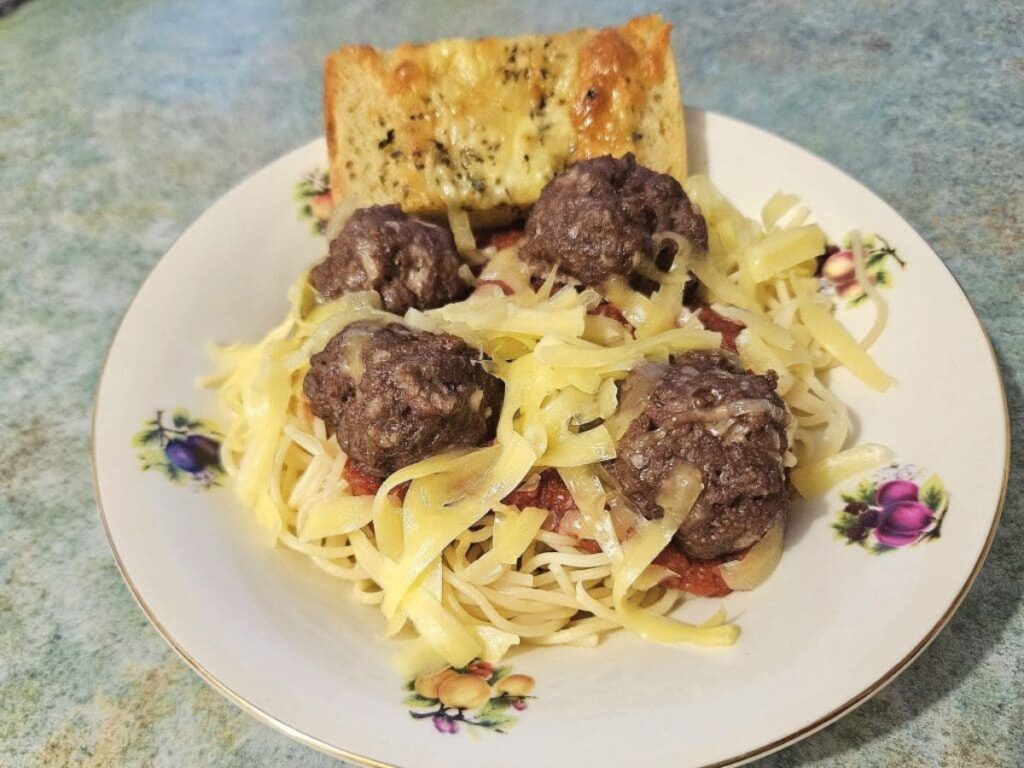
point(409, 262)
point(598, 216)
point(704, 410)
point(394, 396)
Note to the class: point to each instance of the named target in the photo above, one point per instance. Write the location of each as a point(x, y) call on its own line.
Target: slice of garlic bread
point(484, 124)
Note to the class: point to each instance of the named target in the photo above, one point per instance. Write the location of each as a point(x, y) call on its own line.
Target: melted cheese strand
point(828, 332)
point(811, 480)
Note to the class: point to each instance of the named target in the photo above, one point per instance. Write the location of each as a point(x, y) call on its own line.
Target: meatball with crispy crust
point(394, 396)
point(595, 219)
point(410, 263)
point(705, 411)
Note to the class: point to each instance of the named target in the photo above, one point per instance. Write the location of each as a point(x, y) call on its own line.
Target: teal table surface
point(120, 122)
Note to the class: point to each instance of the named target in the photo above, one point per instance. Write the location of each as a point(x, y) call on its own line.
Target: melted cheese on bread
point(484, 124)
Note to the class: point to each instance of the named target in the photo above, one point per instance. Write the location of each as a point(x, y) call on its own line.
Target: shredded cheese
point(474, 576)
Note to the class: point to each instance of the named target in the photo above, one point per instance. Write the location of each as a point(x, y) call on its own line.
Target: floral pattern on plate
point(313, 193)
point(836, 268)
point(479, 695)
point(898, 507)
point(185, 451)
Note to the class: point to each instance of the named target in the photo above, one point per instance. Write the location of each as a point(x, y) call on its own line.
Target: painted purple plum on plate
point(893, 509)
point(184, 450)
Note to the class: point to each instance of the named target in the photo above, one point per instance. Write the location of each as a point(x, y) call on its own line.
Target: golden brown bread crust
point(617, 67)
point(485, 124)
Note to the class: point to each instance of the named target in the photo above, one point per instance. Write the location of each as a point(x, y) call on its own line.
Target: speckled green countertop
point(120, 122)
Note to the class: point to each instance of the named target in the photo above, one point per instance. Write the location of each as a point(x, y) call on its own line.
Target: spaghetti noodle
point(437, 547)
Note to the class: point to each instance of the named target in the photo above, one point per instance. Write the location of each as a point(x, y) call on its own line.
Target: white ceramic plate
point(835, 623)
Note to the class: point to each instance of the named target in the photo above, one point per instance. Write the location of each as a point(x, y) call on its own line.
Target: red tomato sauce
point(604, 309)
point(549, 493)
point(362, 484)
point(697, 578)
point(715, 322)
point(500, 238)
point(589, 545)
